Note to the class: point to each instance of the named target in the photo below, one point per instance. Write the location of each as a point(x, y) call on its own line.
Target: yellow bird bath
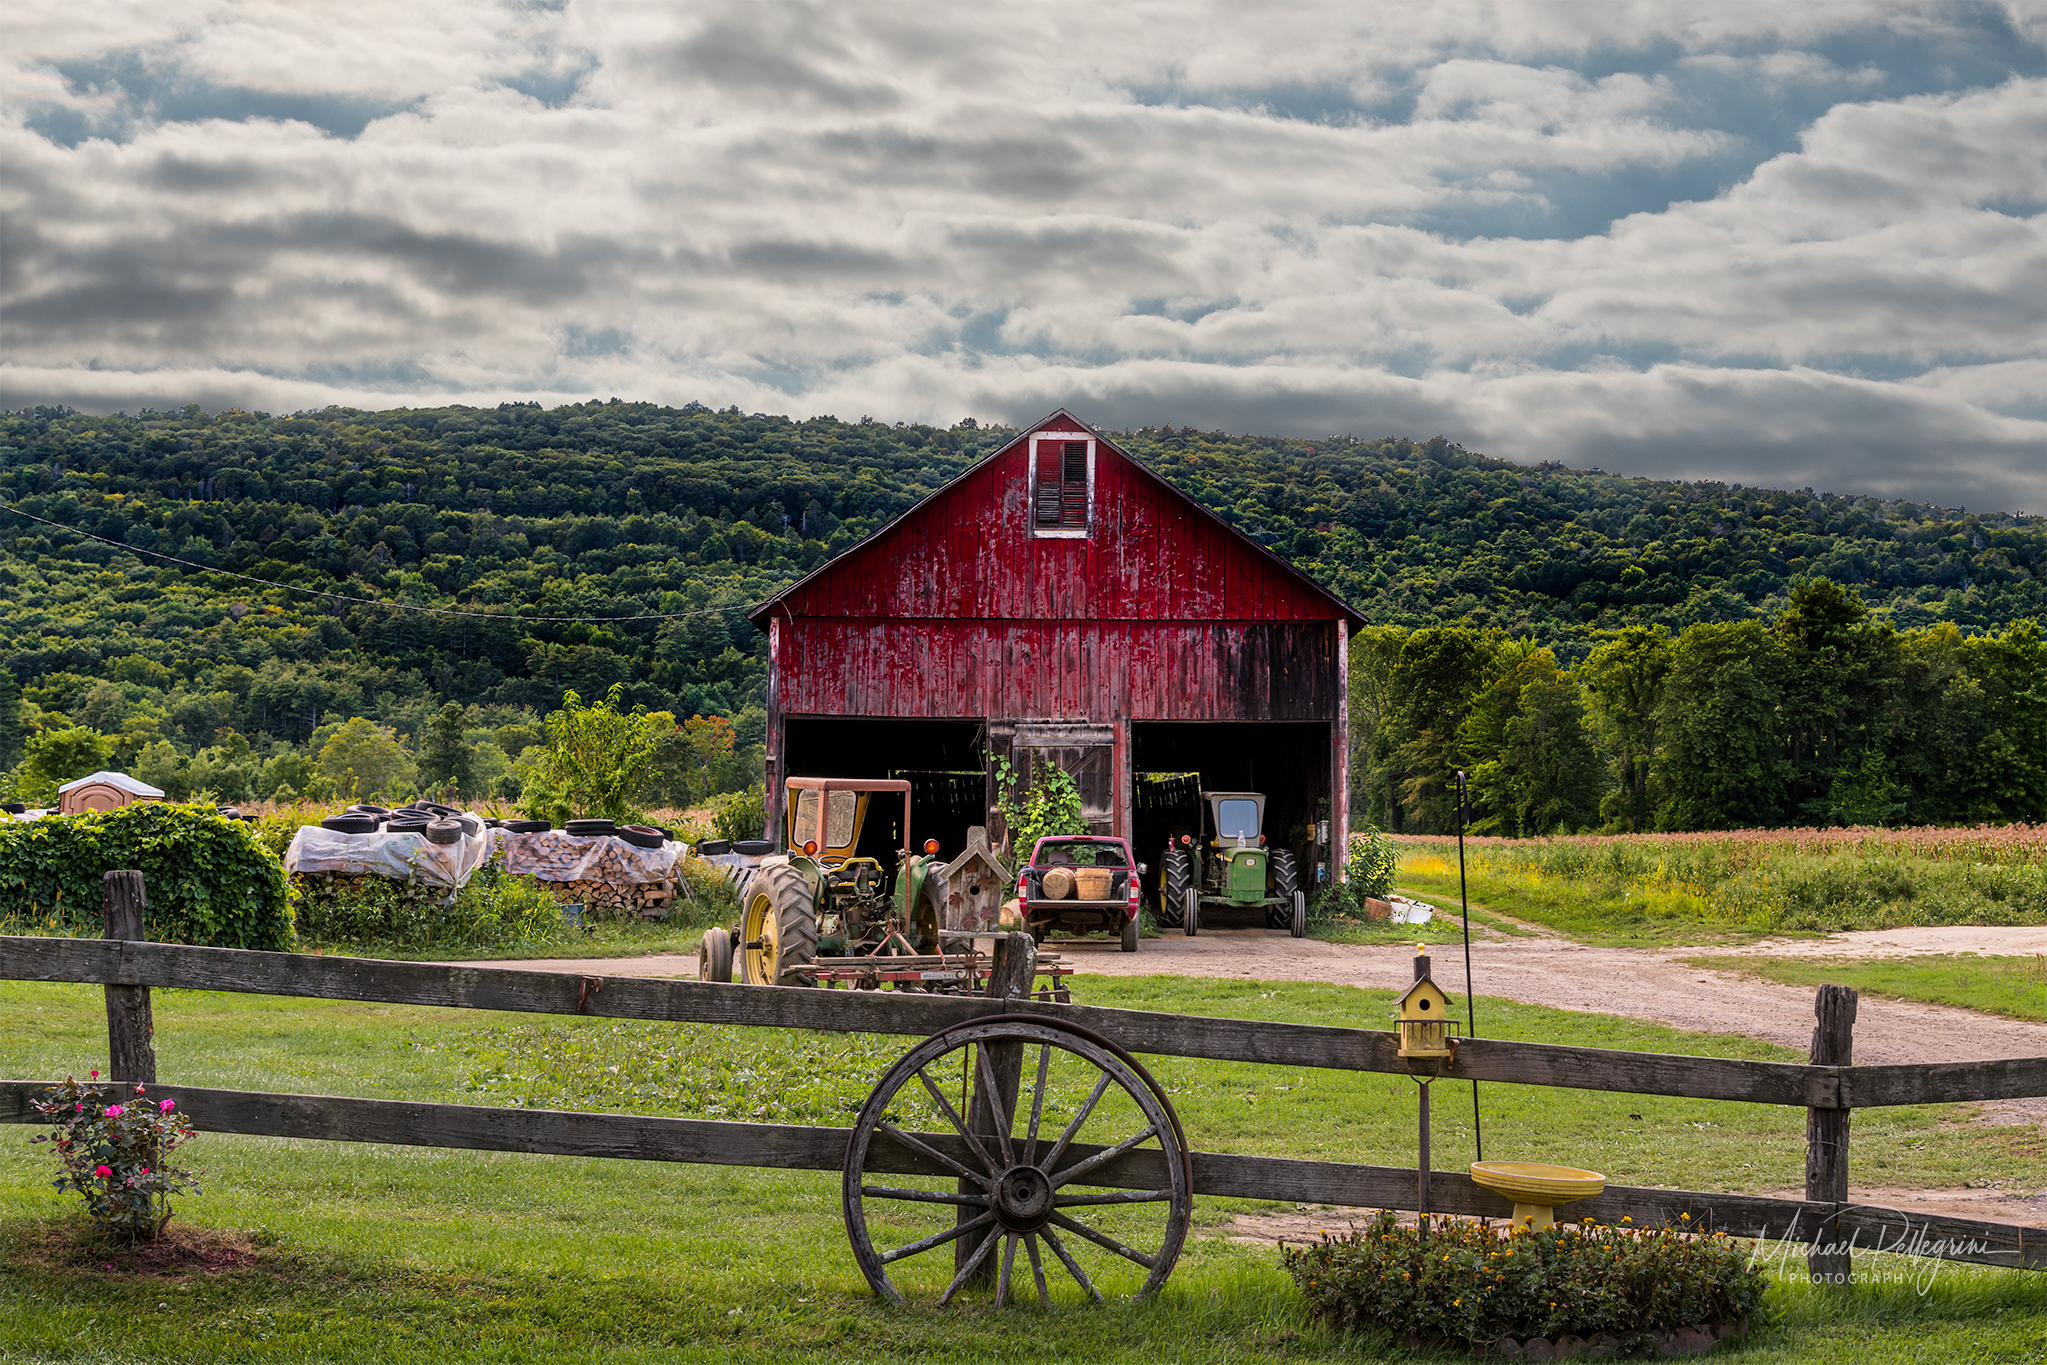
point(1536, 1189)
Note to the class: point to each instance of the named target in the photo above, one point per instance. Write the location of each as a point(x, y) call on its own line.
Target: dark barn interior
point(1288, 761)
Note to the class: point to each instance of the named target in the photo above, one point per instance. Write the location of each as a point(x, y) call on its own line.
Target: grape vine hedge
point(209, 881)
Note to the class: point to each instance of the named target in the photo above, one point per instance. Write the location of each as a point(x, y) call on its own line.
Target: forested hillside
point(682, 517)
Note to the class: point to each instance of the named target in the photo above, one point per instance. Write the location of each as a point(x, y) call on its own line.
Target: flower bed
point(1591, 1289)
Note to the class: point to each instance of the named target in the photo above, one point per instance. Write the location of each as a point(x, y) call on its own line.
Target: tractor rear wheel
point(780, 929)
point(1285, 881)
point(1176, 875)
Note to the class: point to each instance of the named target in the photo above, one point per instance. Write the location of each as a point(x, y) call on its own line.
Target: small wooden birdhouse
point(976, 883)
point(1424, 1016)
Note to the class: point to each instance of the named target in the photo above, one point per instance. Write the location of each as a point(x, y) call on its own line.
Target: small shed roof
point(133, 786)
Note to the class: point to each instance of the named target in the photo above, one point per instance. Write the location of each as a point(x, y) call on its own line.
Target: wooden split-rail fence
point(1829, 1089)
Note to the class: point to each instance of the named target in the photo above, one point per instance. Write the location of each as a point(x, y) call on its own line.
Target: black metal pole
point(1470, 1005)
point(1422, 1194)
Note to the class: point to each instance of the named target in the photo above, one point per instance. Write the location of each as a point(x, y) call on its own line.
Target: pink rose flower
point(138, 1089)
point(81, 1106)
point(95, 1075)
point(166, 1106)
point(114, 1111)
point(103, 1171)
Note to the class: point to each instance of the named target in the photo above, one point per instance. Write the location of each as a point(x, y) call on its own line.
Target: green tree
point(363, 760)
point(445, 759)
point(596, 761)
point(1722, 763)
point(1624, 681)
point(1533, 770)
point(10, 720)
point(1435, 679)
point(53, 757)
point(1839, 667)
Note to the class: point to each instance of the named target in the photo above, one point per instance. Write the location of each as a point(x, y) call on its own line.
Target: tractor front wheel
point(1285, 882)
point(714, 956)
point(780, 929)
point(1190, 914)
point(1176, 875)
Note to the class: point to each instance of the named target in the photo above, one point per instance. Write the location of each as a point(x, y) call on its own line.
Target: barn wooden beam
point(1216, 1174)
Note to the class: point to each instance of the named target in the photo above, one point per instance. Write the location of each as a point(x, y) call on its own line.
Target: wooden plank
point(1826, 1130)
point(890, 1012)
point(1216, 1174)
point(1871, 1087)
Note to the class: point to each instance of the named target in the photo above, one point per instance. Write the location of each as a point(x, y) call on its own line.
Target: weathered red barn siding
point(1161, 612)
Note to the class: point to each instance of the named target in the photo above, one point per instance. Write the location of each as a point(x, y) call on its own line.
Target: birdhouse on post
point(1424, 1015)
point(975, 884)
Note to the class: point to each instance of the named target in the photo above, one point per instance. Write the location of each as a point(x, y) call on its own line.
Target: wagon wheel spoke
point(1002, 1121)
point(1068, 1201)
point(958, 1122)
point(937, 1196)
point(924, 1244)
point(1037, 1113)
point(1008, 1264)
point(973, 1264)
point(1101, 1087)
point(1103, 1240)
point(941, 1158)
point(1081, 1168)
point(1037, 1270)
point(1072, 1266)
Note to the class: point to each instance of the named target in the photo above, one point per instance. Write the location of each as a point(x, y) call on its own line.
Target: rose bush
point(116, 1155)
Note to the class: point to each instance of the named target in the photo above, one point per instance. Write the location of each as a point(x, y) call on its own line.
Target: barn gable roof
point(1307, 598)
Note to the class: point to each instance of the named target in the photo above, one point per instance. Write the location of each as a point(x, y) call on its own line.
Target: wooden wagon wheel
point(1010, 1172)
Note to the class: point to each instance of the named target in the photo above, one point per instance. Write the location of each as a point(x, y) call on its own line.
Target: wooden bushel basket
point(1093, 883)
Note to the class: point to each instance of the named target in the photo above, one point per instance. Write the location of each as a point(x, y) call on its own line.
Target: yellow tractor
point(820, 907)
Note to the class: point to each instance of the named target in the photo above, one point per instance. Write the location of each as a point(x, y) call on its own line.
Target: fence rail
point(128, 967)
point(107, 962)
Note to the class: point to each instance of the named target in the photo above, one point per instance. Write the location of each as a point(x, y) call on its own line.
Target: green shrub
point(1368, 869)
point(208, 878)
point(742, 815)
point(1463, 1281)
point(493, 910)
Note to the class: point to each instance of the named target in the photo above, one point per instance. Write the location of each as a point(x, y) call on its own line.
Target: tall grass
point(1759, 880)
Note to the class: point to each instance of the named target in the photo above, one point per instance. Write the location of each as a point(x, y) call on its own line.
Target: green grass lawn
point(2016, 986)
point(396, 1253)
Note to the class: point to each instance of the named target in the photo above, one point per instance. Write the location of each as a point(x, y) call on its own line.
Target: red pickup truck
point(1081, 883)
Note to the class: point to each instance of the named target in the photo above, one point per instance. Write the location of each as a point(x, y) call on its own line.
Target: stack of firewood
point(616, 900)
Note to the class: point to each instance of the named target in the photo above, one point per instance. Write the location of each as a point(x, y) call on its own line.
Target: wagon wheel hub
point(1023, 1199)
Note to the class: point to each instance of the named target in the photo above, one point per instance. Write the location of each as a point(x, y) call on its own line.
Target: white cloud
point(926, 212)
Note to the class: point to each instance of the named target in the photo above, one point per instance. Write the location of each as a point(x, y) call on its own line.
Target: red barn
point(1059, 602)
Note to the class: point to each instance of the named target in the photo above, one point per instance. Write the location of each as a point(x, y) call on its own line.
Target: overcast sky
point(1784, 244)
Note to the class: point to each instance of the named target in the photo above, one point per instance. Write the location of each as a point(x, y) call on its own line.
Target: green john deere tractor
point(818, 905)
point(1228, 862)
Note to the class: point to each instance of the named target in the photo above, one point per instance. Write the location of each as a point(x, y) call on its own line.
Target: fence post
point(1014, 971)
point(131, 1049)
point(1826, 1133)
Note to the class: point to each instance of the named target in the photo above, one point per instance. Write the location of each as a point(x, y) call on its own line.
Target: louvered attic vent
point(1061, 494)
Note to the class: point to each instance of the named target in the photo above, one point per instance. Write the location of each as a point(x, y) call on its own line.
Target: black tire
point(714, 956)
point(528, 826)
point(1176, 875)
point(1130, 934)
point(754, 848)
point(587, 828)
point(350, 824)
point(1285, 881)
point(1190, 913)
point(781, 918)
point(640, 836)
point(444, 832)
point(712, 847)
point(406, 826)
point(1299, 926)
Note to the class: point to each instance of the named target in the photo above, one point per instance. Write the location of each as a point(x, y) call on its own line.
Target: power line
point(368, 601)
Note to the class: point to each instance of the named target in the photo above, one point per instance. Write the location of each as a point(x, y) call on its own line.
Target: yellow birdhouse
point(1424, 1016)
